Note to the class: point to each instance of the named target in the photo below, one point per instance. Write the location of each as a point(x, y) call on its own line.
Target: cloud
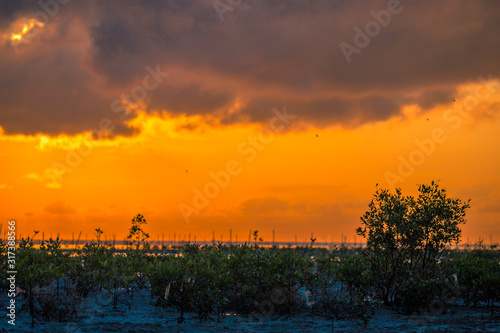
point(59, 207)
point(264, 206)
point(50, 176)
point(271, 206)
point(264, 54)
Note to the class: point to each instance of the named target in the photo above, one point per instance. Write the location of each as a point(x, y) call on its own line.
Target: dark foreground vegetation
point(405, 267)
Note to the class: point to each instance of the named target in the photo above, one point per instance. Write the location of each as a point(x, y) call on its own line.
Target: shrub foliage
point(405, 264)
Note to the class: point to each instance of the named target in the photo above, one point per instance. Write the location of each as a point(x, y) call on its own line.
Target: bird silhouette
point(186, 171)
point(376, 185)
point(427, 118)
point(317, 135)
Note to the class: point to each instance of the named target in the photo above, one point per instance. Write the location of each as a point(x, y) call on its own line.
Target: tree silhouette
point(407, 235)
point(137, 236)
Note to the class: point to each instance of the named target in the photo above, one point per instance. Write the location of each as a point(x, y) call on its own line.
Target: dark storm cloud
point(327, 110)
point(267, 54)
point(189, 99)
point(11, 9)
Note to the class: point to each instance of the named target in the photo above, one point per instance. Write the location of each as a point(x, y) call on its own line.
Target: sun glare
point(25, 29)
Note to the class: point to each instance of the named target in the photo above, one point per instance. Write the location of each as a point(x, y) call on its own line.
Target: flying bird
point(186, 171)
point(317, 135)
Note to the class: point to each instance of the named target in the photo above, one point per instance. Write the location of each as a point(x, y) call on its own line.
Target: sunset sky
point(210, 115)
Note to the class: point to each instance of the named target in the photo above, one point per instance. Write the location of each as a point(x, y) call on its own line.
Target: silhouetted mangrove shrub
point(40, 268)
point(478, 275)
point(116, 278)
point(406, 236)
point(172, 285)
point(343, 289)
point(211, 282)
point(89, 267)
point(4, 283)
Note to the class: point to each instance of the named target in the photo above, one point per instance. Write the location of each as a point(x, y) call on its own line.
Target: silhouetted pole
point(230, 237)
point(174, 238)
point(76, 245)
point(249, 236)
point(189, 237)
point(213, 236)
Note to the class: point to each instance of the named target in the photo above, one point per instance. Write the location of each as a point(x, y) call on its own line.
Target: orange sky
point(312, 172)
point(295, 182)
